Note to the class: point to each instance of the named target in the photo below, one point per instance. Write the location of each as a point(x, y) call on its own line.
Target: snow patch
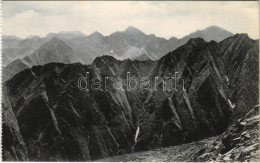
point(227, 78)
point(231, 105)
point(137, 133)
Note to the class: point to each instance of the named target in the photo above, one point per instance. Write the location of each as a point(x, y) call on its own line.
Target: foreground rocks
point(239, 143)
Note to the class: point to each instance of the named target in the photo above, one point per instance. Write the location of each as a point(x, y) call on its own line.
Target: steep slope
point(58, 121)
point(13, 143)
point(54, 50)
point(238, 143)
point(241, 64)
point(214, 81)
point(197, 107)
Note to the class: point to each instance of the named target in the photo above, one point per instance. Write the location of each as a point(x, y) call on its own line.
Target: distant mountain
point(89, 47)
point(46, 117)
point(130, 43)
point(54, 50)
point(211, 33)
point(11, 37)
point(66, 35)
point(142, 57)
point(133, 43)
point(16, 48)
point(10, 41)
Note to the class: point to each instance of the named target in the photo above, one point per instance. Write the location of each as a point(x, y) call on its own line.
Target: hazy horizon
point(164, 19)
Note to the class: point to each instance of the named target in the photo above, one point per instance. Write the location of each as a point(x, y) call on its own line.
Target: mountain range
point(130, 43)
point(46, 117)
point(55, 50)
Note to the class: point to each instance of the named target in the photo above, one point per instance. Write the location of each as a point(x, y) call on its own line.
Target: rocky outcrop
point(240, 59)
point(15, 149)
point(60, 122)
point(239, 143)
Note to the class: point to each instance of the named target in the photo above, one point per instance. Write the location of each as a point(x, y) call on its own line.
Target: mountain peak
point(210, 33)
point(103, 60)
point(56, 42)
point(173, 39)
point(245, 35)
point(11, 37)
point(33, 37)
point(96, 34)
point(54, 39)
point(239, 37)
point(72, 32)
point(107, 57)
point(66, 35)
point(133, 30)
point(216, 29)
point(196, 41)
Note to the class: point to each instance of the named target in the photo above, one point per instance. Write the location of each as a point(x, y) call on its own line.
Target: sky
point(164, 19)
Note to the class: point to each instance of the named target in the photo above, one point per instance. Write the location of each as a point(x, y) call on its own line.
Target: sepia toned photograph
point(130, 81)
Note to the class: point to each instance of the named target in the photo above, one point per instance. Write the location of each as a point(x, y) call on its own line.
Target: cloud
point(165, 19)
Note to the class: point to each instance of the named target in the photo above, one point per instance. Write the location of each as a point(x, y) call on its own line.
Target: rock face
point(48, 117)
point(240, 58)
point(60, 122)
point(197, 108)
point(205, 99)
point(13, 143)
point(239, 143)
